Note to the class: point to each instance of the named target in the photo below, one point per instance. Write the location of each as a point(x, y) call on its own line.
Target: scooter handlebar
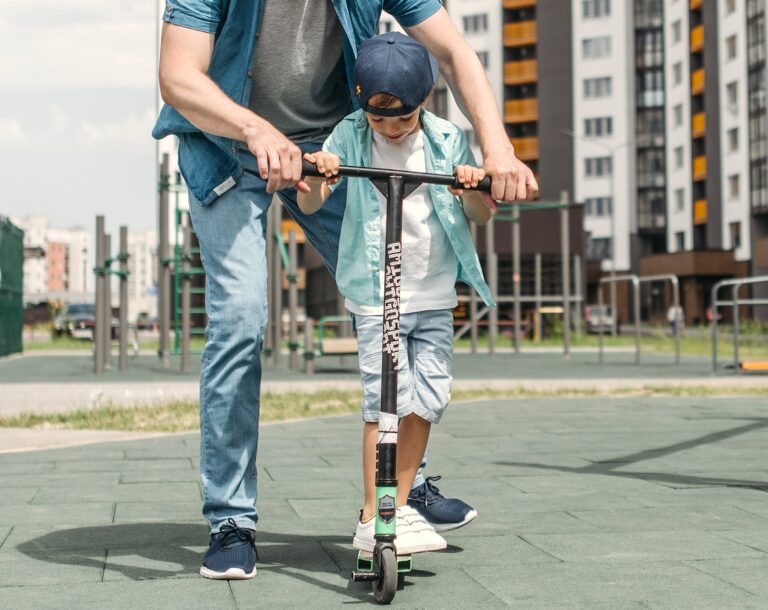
point(309, 169)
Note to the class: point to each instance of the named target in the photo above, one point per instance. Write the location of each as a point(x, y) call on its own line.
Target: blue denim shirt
point(210, 163)
point(359, 263)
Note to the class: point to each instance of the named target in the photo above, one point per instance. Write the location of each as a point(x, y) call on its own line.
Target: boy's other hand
point(511, 179)
point(327, 164)
point(467, 175)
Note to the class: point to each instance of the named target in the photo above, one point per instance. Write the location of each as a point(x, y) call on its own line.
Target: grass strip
point(183, 416)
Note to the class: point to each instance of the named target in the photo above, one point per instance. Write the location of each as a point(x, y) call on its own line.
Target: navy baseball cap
point(396, 64)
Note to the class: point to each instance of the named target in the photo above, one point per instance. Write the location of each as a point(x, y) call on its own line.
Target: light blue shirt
point(359, 263)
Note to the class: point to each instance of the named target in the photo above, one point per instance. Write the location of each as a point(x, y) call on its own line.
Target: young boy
point(394, 75)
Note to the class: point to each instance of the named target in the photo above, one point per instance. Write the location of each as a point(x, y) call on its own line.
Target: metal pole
point(579, 317)
point(714, 326)
point(516, 276)
point(678, 317)
point(309, 347)
point(537, 282)
point(636, 285)
point(600, 322)
point(293, 302)
point(98, 331)
point(107, 303)
point(123, 256)
point(565, 251)
point(277, 281)
point(736, 326)
point(613, 243)
point(269, 338)
point(163, 276)
point(473, 300)
point(186, 295)
point(490, 256)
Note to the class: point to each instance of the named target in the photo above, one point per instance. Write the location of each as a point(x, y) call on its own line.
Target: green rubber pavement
point(583, 503)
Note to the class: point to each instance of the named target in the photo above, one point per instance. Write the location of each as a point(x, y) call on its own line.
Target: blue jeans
point(232, 235)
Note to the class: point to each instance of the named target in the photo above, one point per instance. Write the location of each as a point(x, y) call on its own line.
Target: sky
point(77, 104)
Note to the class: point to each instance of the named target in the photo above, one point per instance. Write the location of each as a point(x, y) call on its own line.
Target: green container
point(11, 287)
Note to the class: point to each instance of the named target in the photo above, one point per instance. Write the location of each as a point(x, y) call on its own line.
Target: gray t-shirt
point(299, 82)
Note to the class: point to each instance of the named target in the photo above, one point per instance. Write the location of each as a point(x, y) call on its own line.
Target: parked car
point(77, 320)
point(597, 317)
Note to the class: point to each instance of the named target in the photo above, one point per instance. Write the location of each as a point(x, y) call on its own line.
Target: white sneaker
point(414, 534)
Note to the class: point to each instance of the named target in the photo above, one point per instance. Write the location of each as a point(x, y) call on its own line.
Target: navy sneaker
point(441, 513)
point(231, 554)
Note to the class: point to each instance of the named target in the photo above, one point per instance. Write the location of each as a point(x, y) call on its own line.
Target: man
point(251, 85)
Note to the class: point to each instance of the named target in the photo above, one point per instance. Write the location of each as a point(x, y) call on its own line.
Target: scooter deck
point(365, 562)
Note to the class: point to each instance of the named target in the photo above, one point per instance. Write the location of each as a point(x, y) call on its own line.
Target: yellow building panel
point(519, 34)
point(699, 168)
point(697, 38)
point(699, 125)
point(696, 4)
point(517, 72)
point(697, 81)
point(526, 149)
point(290, 225)
point(700, 212)
point(521, 111)
point(518, 3)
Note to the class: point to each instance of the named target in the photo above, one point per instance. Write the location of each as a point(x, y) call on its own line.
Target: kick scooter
point(383, 567)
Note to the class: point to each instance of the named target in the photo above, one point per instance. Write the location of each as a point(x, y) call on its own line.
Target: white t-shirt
point(428, 279)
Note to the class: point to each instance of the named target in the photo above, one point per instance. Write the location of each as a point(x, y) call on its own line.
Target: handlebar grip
point(484, 185)
point(308, 169)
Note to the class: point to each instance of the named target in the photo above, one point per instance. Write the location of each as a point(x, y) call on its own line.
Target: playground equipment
point(102, 339)
point(736, 302)
point(11, 293)
point(383, 567)
point(326, 346)
point(513, 214)
point(636, 282)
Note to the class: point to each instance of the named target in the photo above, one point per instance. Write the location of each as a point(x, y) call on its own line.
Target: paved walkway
point(599, 503)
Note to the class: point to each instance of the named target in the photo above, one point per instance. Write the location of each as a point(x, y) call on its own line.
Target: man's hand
point(511, 179)
point(278, 159)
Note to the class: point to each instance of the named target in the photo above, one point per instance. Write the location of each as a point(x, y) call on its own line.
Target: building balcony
point(700, 212)
point(699, 168)
point(697, 82)
point(518, 3)
point(518, 72)
point(526, 149)
point(519, 34)
point(697, 38)
point(699, 125)
point(521, 111)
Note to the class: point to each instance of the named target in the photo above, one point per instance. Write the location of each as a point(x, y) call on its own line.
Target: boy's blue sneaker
point(231, 554)
point(441, 513)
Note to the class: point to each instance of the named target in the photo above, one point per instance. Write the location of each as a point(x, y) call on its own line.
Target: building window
point(679, 241)
point(385, 26)
point(733, 186)
point(730, 47)
point(679, 200)
point(483, 57)
point(475, 23)
point(594, 48)
point(730, 6)
point(597, 87)
point(598, 127)
point(595, 8)
point(678, 157)
point(732, 95)
point(735, 235)
point(677, 73)
point(733, 139)
point(598, 206)
point(472, 138)
point(599, 249)
point(678, 115)
point(677, 31)
point(595, 167)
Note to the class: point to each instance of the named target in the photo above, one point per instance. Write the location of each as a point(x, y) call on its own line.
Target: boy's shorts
point(424, 365)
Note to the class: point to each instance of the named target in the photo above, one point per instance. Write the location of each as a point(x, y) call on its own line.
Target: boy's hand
point(327, 164)
point(469, 176)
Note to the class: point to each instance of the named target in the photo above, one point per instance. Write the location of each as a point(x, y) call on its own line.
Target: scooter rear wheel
point(385, 587)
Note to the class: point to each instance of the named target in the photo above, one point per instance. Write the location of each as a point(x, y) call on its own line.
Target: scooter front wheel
point(385, 586)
